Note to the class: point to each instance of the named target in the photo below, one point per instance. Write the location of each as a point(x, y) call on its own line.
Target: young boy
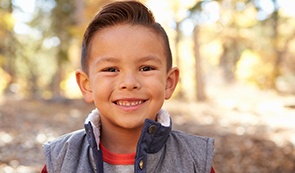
point(127, 72)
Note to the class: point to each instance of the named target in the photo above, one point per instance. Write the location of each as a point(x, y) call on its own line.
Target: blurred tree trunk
point(71, 15)
point(79, 15)
point(179, 94)
point(56, 91)
point(229, 58)
point(275, 42)
point(200, 84)
point(279, 51)
point(9, 64)
point(7, 50)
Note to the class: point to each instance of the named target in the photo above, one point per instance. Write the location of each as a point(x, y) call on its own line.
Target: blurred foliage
point(246, 40)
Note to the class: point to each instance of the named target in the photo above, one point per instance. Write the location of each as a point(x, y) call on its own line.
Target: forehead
point(127, 39)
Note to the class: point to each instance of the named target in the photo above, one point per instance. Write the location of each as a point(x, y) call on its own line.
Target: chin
point(133, 125)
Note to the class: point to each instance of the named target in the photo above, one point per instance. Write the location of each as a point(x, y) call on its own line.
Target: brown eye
point(111, 69)
point(146, 68)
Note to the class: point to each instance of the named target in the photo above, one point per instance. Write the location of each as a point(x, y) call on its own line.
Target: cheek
point(101, 86)
point(156, 85)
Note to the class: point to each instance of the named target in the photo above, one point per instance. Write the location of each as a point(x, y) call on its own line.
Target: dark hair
point(123, 12)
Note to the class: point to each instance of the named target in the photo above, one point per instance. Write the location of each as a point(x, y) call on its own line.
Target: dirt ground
point(249, 137)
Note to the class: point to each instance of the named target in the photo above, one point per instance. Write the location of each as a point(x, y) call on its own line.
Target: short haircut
point(123, 12)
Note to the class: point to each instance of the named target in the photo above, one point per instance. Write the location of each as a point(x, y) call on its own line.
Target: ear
point(171, 82)
point(84, 85)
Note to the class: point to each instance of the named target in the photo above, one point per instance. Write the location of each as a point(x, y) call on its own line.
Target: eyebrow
point(106, 59)
point(151, 58)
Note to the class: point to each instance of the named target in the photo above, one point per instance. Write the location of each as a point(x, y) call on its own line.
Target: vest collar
point(153, 135)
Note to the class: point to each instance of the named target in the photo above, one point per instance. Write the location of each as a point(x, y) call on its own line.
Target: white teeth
point(127, 103)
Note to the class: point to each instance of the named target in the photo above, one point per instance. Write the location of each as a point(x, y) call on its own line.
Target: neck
point(118, 140)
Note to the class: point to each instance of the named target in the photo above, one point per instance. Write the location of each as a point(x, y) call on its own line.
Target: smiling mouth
point(129, 103)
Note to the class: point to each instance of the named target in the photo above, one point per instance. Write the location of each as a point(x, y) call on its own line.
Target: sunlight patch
point(5, 138)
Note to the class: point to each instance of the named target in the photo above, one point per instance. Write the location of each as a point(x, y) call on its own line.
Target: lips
point(129, 103)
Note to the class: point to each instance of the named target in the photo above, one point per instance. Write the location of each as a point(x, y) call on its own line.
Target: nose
point(129, 81)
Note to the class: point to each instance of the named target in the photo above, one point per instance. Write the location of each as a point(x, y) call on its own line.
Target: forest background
point(237, 80)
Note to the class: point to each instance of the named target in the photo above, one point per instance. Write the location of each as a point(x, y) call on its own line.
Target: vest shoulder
point(65, 140)
point(191, 143)
point(191, 138)
point(67, 153)
point(184, 153)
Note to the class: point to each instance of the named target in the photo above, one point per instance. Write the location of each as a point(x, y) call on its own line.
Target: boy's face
point(127, 77)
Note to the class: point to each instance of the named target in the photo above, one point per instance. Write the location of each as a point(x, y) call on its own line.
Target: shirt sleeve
point(212, 170)
point(44, 170)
